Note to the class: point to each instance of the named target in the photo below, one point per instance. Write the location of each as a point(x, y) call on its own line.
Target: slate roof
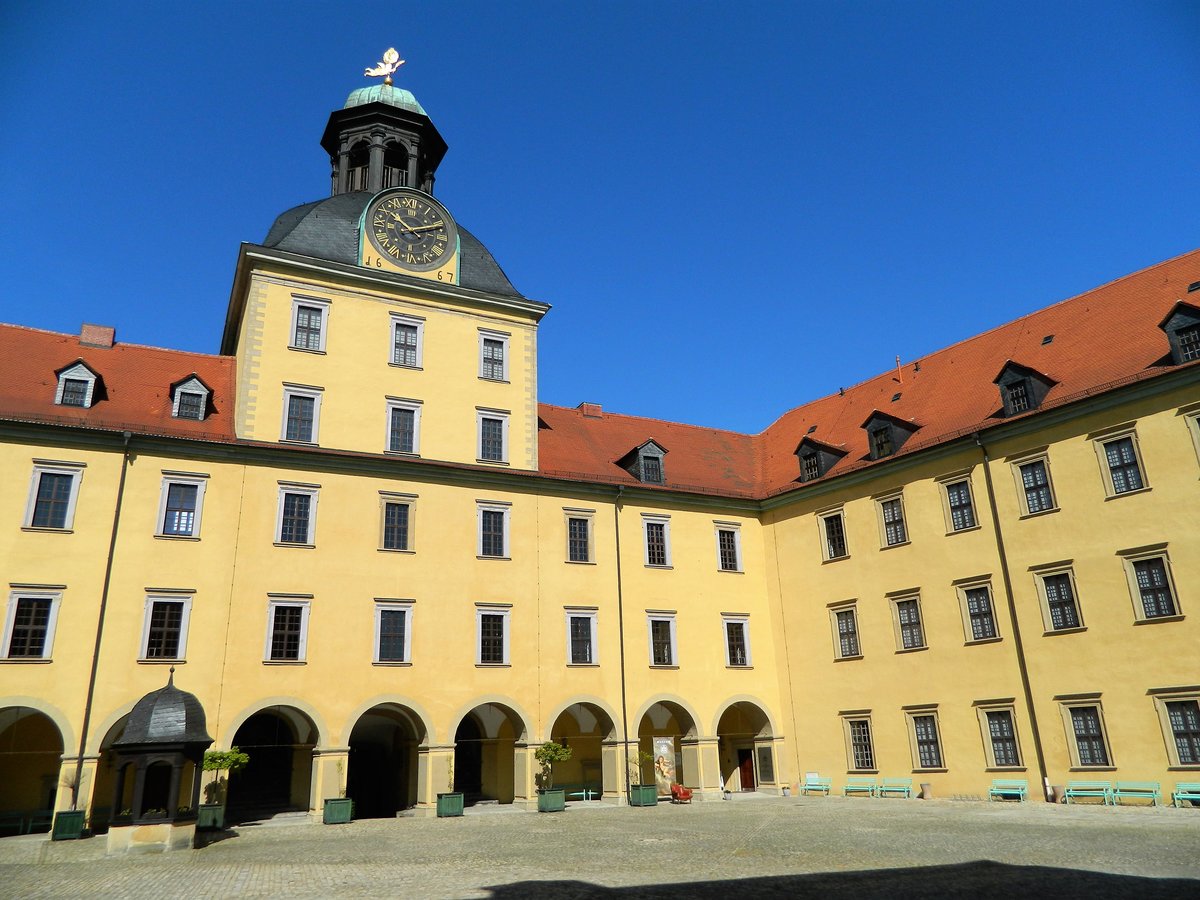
point(328, 229)
point(166, 716)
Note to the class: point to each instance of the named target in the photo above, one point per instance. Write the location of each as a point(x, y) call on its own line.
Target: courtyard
point(796, 847)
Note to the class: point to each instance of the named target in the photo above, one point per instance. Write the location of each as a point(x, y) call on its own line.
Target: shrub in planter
point(550, 800)
point(641, 794)
point(450, 804)
point(212, 812)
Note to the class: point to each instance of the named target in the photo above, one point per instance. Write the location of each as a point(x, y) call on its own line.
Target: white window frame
point(394, 403)
point(589, 515)
point(1100, 442)
point(1191, 419)
point(500, 506)
point(982, 708)
point(301, 390)
point(944, 484)
point(305, 605)
point(850, 606)
point(412, 321)
point(409, 500)
point(503, 415)
point(199, 482)
point(505, 612)
point(1040, 574)
point(661, 616)
point(1163, 696)
point(656, 519)
point(401, 606)
point(191, 386)
point(185, 600)
point(589, 613)
point(10, 618)
point(742, 619)
point(504, 338)
point(736, 529)
point(896, 600)
point(898, 497)
point(1043, 457)
point(961, 588)
point(313, 491)
point(52, 467)
point(821, 524)
point(325, 306)
point(848, 718)
point(1143, 554)
point(1065, 705)
point(77, 372)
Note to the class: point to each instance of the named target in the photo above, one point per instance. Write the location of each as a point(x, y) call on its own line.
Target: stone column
point(524, 785)
point(375, 163)
point(330, 767)
point(433, 776)
point(87, 783)
point(614, 758)
point(702, 767)
point(343, 173)
point(412, 168)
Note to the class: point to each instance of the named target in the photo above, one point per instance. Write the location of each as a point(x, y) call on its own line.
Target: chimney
point(591, 410)
point(97, 336)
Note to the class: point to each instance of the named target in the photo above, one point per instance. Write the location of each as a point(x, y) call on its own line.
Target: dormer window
point(886, 434)
point(1182, 326)
point(1021, 389)
point(645, 463)
point(816, 458)
point(189, 398)
point(76, 386)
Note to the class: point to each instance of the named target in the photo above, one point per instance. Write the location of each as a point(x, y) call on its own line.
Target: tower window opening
point(356, 167)
point(395, 166)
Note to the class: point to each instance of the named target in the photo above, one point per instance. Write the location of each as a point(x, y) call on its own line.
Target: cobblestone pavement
point(794, 847)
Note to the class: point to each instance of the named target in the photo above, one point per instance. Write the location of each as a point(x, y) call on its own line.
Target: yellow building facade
point(387, 571)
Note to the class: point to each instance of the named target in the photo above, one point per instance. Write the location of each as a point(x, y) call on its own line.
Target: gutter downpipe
point(1012, 612)
point(91, 691)
point(621, 641)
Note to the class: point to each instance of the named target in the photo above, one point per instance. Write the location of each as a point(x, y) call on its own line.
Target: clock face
point(412, 230)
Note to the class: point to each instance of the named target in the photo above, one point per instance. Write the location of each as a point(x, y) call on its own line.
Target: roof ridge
point(117, 345)
point(606, 414)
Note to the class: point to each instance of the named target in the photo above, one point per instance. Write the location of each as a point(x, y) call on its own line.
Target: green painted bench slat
point(856, 785)
point(818, 784)
point(1142, 790)
point(1009, 788)
point(900, 787)
point(1101, 789)
point(1184, 791)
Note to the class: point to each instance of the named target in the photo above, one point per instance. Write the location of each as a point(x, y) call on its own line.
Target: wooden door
point(746, 767)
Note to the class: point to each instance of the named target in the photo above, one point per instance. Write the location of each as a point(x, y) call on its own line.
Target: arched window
point(395, 166)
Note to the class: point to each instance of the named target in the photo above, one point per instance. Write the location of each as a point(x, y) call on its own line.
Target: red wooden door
point(746, 767)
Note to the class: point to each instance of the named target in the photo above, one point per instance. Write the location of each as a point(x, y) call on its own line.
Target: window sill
point(895, 545)
point(48, 530)
point(495, 380)
point(1185, 767)
point(847, 658)
point(160, 661)
point(391, 663)
point(491, 462)
point(1040, 512)
point(1092, 769)
point(284, 662)
point(572, 665)
point(963, 530)
point(1115, 496)
point(1058, 631)
point(660, 666)
point(745, 668)
point(175, 537)
point(493, 665)
point(504, 558)
point(862, 771)
point(296, 443)
point(296, 546)
point(991, 640)
point(651, 566)
point(402, 454)
point(307, 350)
point(396, 365)
point(580, 562)
point(1156, 619)
point(912, 649)
point(731, 571)
point(834, 559)
point(396, 550)
point(930, 771)
point(1006, 769)
point(25, 661)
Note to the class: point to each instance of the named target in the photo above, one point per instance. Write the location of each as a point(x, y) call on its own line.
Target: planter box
point(449, 805)
point(68, 825)
point(643, 795)
point(211, 816)
point(554, 800)
point(338, 811)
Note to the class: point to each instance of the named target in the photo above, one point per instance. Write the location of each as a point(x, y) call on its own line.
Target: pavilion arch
point(103, 791)
point(665, 726)
point(588, 727)
point(105, 730)
point(382, 761)
point(485, 758)
point(745, 744)
point(587, 700)
point(51, 712)
point(747, 699)
point(31, 751)
point(314, 719)
point(280, 739)
point(411, 709)
point(678, 707)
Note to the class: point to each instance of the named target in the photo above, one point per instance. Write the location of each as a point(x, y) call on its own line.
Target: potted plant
point(212, 812)
point(68, 823)
point(641, 794)
point(450, 803)
point(340, 809)
point(550, 800)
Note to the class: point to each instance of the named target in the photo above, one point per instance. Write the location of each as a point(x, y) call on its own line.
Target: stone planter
point(643, 795)
point(449, 805)
point(552, 800)
point(211, 817)
point(338, 811)
point(68, 825)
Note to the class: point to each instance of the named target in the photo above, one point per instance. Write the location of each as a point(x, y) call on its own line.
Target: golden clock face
point(411, 229)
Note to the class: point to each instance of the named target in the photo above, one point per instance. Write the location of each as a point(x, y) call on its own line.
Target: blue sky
point(732, 207)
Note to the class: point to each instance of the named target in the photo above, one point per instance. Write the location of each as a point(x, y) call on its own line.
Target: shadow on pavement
point(965, 880)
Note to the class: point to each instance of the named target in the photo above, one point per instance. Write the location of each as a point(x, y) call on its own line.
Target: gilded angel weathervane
point(386, 67)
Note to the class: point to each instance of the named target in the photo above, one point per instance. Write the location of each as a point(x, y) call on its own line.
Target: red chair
point(680, 794)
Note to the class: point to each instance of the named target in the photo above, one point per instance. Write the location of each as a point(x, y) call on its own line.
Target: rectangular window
point(493, 531)
point(737, 641)
point(407, 339)
point(862, 750)
point(908, 623)
point(74, 392)
point(301, 414)
point(393, 638)
point(1150, 580)
point(657, 534)
point(189, 405)
point(846, 624)
point(1062, 609)
point(662, 639)
point(395, 524)
point(652, 470)
point(1183, 717)
point(579, 538)
point(581, 637)
point(1189, 343)
point(308, 324)
point(403, 426)
point(981, 617)
point(729, 556)
point(1002, 738)
point(180, 506)
point(493, 436)
point(492, 627)
point(1088, 730)
point(810, 467)
point(1124, 469)
point(53, 498)
point(962, 509)
point(925, 738)
point(287, 630)
point(164, 632)
point(833, 536)
point(881, 442)
point(892, 513)
point(493, 356)
point(1018, 397)
point(29, 625)
point(297, 516)
point(1037, 493)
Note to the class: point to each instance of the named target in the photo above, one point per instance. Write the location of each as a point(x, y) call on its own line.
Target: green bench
point(895, 787)
point(1080, 789)
point(1138, 790)
point(581, 790)
point(1186, 790)
point(816, 784)
point(1009, 789)
point(858, 785)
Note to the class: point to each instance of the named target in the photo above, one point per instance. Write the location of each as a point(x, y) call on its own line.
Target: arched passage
point(744, 747)
point(279, 741)
point(583, 727)
point(661, 732)
point(382, 776)
point(106, 780)
point(31, 748)
point(485, 753)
